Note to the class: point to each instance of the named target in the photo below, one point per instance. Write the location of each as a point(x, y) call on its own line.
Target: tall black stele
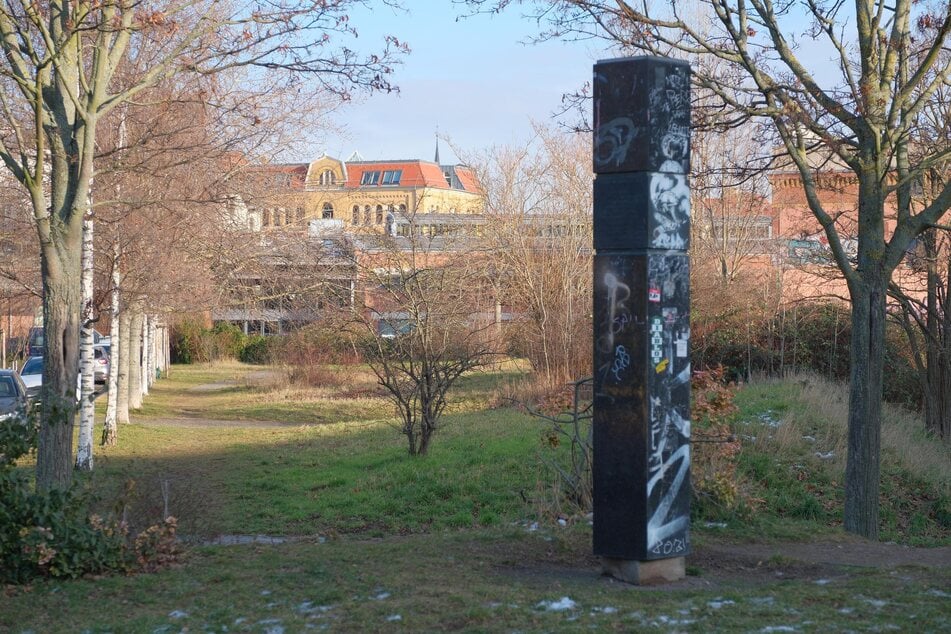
point(641, 309)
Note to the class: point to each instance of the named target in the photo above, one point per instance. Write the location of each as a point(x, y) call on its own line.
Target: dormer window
point(370, 178)
point(327, 177)
point(392, 177)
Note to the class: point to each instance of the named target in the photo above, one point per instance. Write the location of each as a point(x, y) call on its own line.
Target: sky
point(472, 79)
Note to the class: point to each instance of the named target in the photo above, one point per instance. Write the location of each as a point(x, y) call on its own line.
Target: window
point(328, 211)
point(266, 218)
point(300, 214)
point(392, 177)
point(356, 215)
point(366, 215)
point(327, 177)
point(379, 214)
point(402, 209)
point(370, 178)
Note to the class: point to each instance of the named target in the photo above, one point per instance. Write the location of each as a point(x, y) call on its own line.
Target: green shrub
point(49, 534)
point(188, 342)
point(224, 341)
point(257, 349)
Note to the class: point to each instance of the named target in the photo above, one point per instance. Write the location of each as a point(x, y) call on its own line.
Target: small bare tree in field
point(429, 320)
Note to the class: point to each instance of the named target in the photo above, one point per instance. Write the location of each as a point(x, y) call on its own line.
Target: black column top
point(642, 115)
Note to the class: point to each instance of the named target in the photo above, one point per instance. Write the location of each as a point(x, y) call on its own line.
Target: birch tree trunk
point(87, 409)
point(135, 360)
point(146, 354)
point(125, 355)
point(110, 431)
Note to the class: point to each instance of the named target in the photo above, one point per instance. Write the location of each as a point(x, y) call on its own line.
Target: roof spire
point(436, 160)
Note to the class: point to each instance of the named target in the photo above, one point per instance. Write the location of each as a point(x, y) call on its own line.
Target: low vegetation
point(342, 529)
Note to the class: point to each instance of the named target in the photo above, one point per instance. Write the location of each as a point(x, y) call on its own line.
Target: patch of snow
point(825, 456)
point(564, 603)
point(605, 610)
point(823, 582)
point(177, 614)
point(938, 593)
point(663, 619)
point(265, 593)
point(763, 600)
point(393, 618)
point(778, 628)
point(533, 527)
point(562, 521)
point(269, 622)
point(716, 604)
point(767, 419)
point(809, 438)
point(715, 524)
point(846, 610)
point(876, 603)
point(381, 595)
point(240, 620)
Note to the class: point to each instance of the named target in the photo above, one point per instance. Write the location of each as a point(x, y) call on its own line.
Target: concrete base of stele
point(645, 573)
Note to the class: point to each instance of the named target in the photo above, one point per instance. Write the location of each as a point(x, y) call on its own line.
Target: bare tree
point(58, 67)
point(428, 321)
point(538, 234)
point(863, 120)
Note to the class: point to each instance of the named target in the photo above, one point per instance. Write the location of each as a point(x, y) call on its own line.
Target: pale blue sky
point(472, 77)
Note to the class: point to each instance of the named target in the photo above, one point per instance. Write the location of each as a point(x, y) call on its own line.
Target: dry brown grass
point(824, 416)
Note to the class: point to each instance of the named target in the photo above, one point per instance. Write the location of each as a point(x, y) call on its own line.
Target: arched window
point(356, 215)
point(366, 215)
point(379, 214)
point(266, 218)
point(327, 177)
point(328, 211)
point(300, 214)
point(403, 209)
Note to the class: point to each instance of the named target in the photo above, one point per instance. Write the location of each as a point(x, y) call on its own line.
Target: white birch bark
point(146, 353)
point(125, 356)
point(87, 408)
point(110, 428)
point(135, 359)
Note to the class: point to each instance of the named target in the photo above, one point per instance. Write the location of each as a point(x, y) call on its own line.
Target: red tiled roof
point(416, 173)
point(468, 179)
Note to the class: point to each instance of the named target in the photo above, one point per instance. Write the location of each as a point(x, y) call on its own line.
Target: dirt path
point(211, 422)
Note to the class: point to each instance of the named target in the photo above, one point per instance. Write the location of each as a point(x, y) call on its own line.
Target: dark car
point(35, 342)
point(13, 398)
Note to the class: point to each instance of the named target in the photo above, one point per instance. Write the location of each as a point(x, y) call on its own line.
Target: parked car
point(101, 363)
point(13, 398)
point(35, 342)
point(32, 375)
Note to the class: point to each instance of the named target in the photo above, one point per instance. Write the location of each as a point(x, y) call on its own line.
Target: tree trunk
point(61, 319)
point(865, 407)
point(146, 354)
point(87, 407)
point(135, 360)
point(110, 428)
point(125, 360)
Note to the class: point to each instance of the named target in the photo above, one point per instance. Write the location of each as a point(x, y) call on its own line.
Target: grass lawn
point(363, 538)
